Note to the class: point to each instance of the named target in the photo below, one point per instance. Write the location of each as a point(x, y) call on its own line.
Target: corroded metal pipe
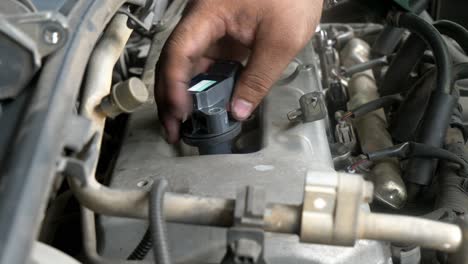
point(372, 128)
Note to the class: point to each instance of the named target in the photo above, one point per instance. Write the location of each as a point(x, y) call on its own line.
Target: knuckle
point(257, 83)
point(175, 43)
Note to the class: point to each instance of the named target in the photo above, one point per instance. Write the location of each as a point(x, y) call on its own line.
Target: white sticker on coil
point(201, 86)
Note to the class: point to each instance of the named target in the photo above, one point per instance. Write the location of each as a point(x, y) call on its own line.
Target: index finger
point(184, 48)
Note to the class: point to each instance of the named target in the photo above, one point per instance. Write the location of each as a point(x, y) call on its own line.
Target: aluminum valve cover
point(287, 151)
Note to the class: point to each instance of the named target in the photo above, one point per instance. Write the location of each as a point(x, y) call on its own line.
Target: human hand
point(269, 32)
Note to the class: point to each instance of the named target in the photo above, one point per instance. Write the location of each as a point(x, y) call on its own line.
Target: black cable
point(145, 245)
point(158, 224)
point(133, 18)
point(397, 76)
point(396, 80)
point(382, 102)
point(441, 103)
point(417, 150)
point(390, 37)
point(143, 12)
point(368, 65)
point(458, 56)
point(432, 37)
point(454, 31)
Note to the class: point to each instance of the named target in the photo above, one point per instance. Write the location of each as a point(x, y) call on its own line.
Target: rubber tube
point(158, 223)
point(433, 129)
point(390, 36)
point(441, 104)
point(432, 37)
point(413, 149)
point(142, 249)
point(412, 51)
point(368, 65)
point(387, 41)
point(432, 132)
point(382, 102)
point(452, 192)
point(396, 78)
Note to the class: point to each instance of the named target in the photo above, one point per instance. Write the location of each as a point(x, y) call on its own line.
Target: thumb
point(268, 60)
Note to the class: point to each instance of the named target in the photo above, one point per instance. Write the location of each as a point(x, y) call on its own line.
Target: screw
point(144, 183)
point(51, 36)
point(294, 115)
point(308, 67)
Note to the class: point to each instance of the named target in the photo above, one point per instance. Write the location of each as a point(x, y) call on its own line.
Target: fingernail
point(241, 109)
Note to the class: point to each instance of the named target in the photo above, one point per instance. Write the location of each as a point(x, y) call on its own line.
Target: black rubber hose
point(413, 149)
point(387, 41)
point(437, 117)
point(382, 102)
point(145, 245)
point(368, 65)
point(432, 132)
point(390, 36)
point(432, 37)
point(397, 76)
point(454, 31)
point(457, 55)
point(158, 224)
point(396, 79)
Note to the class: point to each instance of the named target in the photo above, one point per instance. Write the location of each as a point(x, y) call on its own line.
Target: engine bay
point(356, 155)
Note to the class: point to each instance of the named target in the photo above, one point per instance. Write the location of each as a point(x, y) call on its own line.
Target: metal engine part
point(372, 128)
point(288, 150)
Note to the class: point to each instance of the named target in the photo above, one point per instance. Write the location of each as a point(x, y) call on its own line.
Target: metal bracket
point(250, 207)
point(245, 241)
point(312, 108)
point(77, 133)
point(40, 33)
point(80, 165)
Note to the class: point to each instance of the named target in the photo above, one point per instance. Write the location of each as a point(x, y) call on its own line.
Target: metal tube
point(283, 219)
point(88, 227)
point(410, 230)
point(99, 73)
point(180, 208)
point(97, 86)
point(219, 212)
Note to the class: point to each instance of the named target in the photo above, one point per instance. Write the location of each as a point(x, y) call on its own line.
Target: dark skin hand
point(269, 32)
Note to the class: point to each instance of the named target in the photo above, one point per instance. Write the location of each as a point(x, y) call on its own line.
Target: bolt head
point(52, 36)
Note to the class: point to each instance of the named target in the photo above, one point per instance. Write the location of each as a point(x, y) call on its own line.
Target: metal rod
point(180, 208)
point(410, 230)
point(99, 76)
point(88, 227)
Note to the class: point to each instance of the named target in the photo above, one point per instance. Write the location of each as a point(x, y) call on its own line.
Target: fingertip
point(241, 109)
point(171, 127)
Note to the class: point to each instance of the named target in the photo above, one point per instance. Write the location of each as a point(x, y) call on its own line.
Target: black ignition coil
point(211, 128)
